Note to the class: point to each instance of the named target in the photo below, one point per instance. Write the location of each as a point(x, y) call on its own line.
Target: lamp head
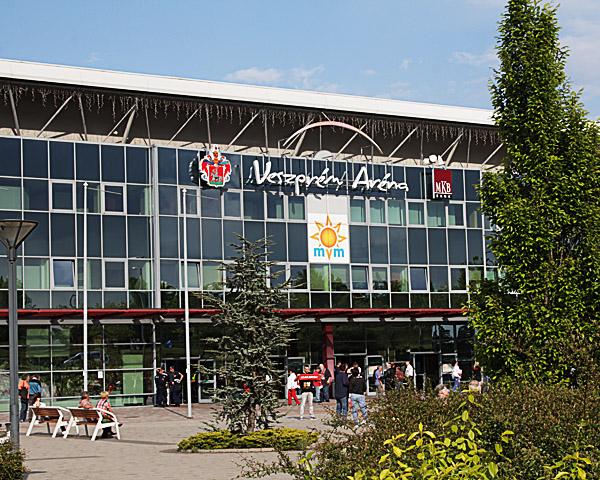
point(14, 232)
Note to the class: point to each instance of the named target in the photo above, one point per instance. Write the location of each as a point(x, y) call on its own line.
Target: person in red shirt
point(318, 384)
point(23, 391)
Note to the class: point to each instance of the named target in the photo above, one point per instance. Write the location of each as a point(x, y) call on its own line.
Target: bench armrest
point(106, 412)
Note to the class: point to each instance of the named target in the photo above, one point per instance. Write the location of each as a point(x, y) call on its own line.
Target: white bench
point(91, 416)
point(48, 415)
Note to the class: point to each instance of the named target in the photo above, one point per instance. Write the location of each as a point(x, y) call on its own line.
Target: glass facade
point(406, 250)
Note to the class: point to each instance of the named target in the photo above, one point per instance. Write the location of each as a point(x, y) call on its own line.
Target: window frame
point(53, 284)
point(123, 188)
point(51, 199)
point(125, 274)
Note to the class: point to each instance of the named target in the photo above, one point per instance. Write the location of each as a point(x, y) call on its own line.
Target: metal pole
point(188, 367)
point(85, 289)
point(13, 346)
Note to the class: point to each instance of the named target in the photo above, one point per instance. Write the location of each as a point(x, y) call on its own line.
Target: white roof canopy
point(107, 79)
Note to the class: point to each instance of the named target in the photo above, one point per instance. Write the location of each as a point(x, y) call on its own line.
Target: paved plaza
point(147, 449)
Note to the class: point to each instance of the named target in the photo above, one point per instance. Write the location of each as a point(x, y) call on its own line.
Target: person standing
point(456, 376)
point(379, 380)
point(160, 383)
point(389, 377)
point(327, 381)
point(409, 373)
point(175, 387)
point(340, 389)
point(318, 384)
point(307, 389)
point(357, 388)
point(23, 392)
point(292, 386)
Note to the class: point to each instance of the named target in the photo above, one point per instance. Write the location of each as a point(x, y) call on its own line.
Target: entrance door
point(427, 370)
point(179, 365)
point(206, 381)
point(371, 364)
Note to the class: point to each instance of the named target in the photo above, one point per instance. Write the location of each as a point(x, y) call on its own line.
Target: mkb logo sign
point(328, 238)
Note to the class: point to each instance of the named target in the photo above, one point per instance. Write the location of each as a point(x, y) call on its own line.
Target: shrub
point(280, 438)
point(455, 454)
point(550, 424)
point(12, 462)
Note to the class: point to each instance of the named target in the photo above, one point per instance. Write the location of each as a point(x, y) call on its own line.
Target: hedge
point(280, 438)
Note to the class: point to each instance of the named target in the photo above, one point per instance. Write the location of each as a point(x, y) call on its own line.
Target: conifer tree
point(251, 334)
point(541, 316)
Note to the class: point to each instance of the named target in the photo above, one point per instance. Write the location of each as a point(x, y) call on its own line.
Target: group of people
point(169, 387)
point(395, 375)
point(314, 387)
point(30, 394)
point(104, 405)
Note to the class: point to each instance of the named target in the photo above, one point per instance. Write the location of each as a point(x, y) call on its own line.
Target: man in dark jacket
point(389, 377)
point(357, 388)
point(341, 390)
point(160, 382)
point(327, 381)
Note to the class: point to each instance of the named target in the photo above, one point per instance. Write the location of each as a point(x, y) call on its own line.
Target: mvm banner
point(328, 232)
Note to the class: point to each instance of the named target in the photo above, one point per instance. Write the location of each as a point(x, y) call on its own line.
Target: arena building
point(371, 205)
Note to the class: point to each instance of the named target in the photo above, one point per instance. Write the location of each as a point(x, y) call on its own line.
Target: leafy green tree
point(541, 316)
point(251, 334)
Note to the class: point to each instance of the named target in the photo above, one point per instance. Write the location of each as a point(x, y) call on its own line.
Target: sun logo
point(328, 235)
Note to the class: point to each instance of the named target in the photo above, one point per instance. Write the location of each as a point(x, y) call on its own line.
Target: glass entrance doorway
point(371, 364)
point(427, 369)
point(203, 384)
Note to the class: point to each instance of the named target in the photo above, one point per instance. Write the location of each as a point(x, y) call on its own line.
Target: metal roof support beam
point(452, 149)
point(410, 134)
point(147, 124)
point(239, 134)
point(208, 127)
point(85, 134)
point(266, 128)
point(349, 141)
point(55, 115)
point(491, 155)
point(299, 144)
point(13, 107)
point(455, 142)
point(129, 123)
point(118, 123)
point(183, 126)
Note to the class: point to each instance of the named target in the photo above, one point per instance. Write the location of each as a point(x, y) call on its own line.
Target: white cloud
point(298, 77)
point(406, 62)
point(399, 90)
point(487, 58)
point(255, 75)
point(369, 72)
point(92, 58)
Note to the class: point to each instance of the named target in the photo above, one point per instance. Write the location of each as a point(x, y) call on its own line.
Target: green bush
point(550, 424)
point(12, 463)
point(280, 438)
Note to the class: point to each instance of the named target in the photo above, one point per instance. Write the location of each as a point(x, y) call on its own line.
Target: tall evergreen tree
point(251, 334)
point(541, 316)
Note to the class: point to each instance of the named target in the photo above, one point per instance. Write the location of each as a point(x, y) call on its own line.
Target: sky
point(435, 51)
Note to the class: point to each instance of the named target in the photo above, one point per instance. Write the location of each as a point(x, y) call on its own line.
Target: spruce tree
point(541, 317)
point(251, 334)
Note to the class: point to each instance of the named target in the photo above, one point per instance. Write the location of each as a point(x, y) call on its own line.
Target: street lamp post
point(186, 302)
point(12, 234)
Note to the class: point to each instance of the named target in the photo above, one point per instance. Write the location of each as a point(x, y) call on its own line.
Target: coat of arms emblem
point(215, 168)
